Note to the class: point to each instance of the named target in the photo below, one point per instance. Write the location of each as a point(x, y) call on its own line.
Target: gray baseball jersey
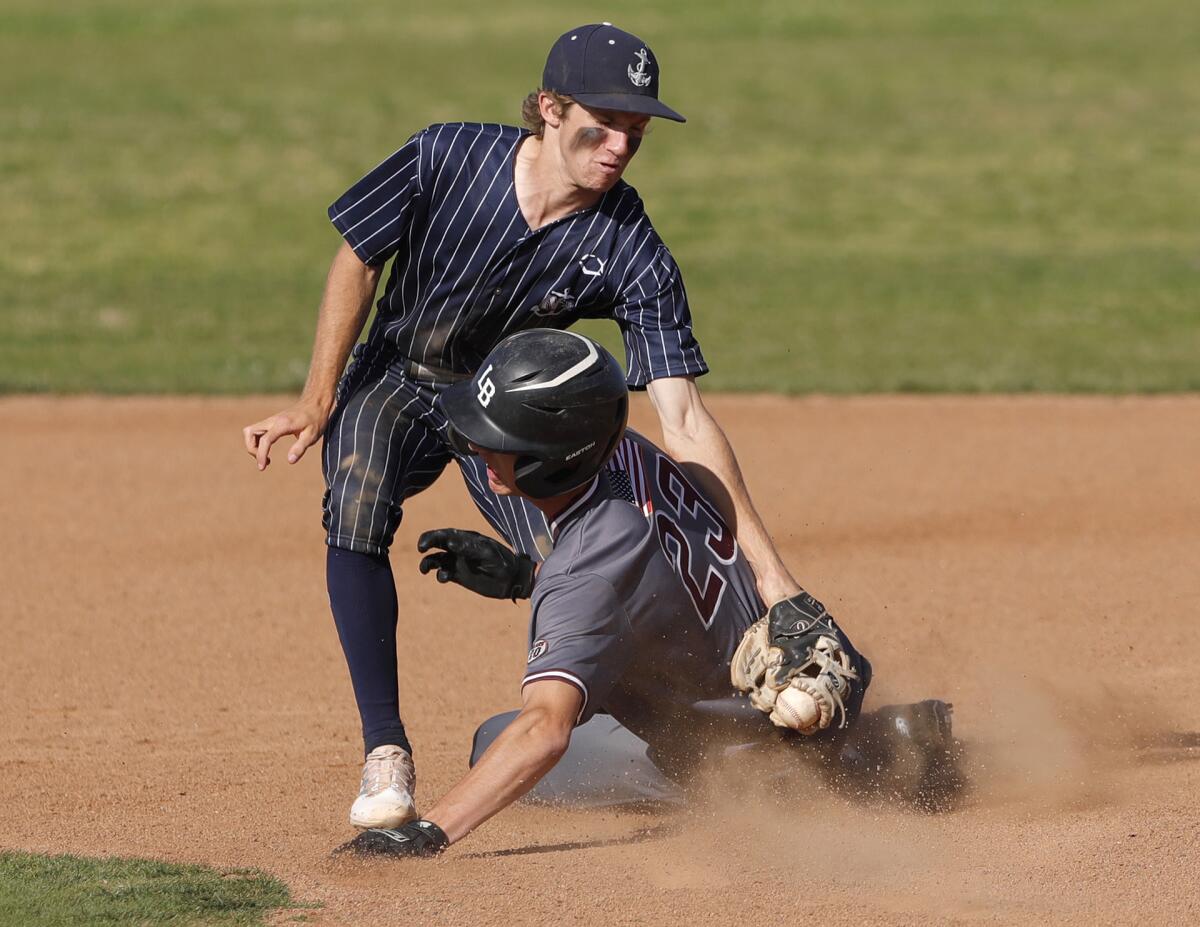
point(644, 598)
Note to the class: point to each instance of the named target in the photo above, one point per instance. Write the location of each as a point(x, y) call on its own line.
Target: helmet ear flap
point(458, 440)
point(527, 472)
point(534, 476)
point(620, 420)
point(541, 479)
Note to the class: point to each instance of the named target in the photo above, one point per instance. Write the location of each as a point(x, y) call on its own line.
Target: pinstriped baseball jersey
point(644, 598)
point(469, 271)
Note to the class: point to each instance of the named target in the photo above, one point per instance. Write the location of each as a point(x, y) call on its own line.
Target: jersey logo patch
point(538, 648)
point(591, 265)
point(554, 304)
point(639, 77)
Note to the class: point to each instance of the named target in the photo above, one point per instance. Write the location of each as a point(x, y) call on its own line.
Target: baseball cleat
point(906, 753)
point(385, 799)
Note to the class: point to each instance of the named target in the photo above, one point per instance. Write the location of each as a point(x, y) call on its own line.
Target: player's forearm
point(711, 462)
point(696, 440)
point(349, 291)
point(525, 752)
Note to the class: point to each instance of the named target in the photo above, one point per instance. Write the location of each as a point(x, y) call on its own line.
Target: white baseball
point(797, 709)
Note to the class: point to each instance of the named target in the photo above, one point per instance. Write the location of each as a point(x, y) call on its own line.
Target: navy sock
point(362, 595)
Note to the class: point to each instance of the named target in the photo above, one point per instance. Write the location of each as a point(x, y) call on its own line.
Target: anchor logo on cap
point(639, 76)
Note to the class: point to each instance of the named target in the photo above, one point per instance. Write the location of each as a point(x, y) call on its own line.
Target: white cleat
point(386, 797)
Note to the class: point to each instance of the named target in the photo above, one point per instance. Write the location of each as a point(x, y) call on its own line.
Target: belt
point(427, 373)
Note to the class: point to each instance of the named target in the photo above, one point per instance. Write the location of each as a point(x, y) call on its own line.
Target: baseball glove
point(798, 667)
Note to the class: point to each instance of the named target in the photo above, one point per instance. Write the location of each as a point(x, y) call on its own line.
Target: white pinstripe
point(377, 187)
point(533, 534)
point(622, 245)
point(440, 173)
point(408, 264)
point(424, 472)
point(388, 246)
point(481, 282)
point(399, 287)
point(354, 452)
point(381, 205)
point(515, 292)
point(387, 461)
point(437, 213)
point(458, 208)
point(450, 261)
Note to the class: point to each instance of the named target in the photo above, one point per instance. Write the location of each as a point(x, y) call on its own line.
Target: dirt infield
point(172, 685)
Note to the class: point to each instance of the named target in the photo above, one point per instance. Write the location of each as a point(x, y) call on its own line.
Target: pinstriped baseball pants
point(384, 444)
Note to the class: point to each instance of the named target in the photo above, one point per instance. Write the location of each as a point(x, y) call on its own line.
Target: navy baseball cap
point(599, 65)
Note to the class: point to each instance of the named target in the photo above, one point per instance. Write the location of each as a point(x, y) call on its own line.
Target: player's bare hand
point(305, 420)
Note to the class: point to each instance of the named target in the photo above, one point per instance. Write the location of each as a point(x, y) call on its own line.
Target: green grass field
point(70, 891)
point(912, 195)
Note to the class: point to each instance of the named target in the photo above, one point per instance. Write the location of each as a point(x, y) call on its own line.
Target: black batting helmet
point(556, 399)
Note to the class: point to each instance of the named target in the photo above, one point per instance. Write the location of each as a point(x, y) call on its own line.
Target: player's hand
point(305, 420)
point(419, 838)
point(478, 563)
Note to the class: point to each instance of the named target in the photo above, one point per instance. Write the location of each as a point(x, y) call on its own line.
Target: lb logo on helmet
point(487, 389)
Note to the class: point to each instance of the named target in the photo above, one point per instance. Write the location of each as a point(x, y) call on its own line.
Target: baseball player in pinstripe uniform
point(645, 609)
point(490, 230)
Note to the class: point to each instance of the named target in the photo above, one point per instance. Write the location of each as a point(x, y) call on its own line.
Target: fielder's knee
point(356, 517)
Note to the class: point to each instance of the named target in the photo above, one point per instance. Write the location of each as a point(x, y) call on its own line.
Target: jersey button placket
point(506, 258)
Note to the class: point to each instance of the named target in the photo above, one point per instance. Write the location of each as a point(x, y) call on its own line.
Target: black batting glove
point(415, 839)
point(478, 563)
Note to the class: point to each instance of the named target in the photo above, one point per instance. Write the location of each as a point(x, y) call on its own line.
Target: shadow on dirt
point(660, 832)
